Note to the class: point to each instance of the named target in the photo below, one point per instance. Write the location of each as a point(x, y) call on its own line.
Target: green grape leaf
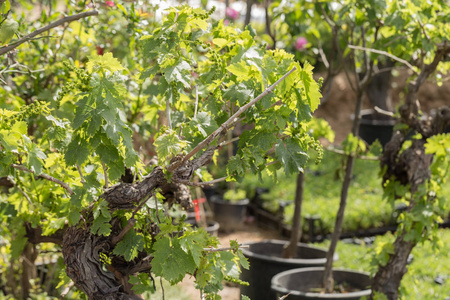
point(53, 225)
point(241, 70)
point(76, 199)
point(74, 217)
point(99, 63)
point(142, 283)
point(130, 245)
point(77, 152)
point(18, 243)
point(8, 29)
point(101, 225)
point(178, 73)
point(35, 158)
point(192, 242)
point(171, 261)
point(82, 112)
point(203, 123)
point(312, 91)
point(238, 92)
point(291, 154)
point(168, 145)
point(236, 167)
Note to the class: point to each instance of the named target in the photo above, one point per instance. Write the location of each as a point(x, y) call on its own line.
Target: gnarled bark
point(409, 167)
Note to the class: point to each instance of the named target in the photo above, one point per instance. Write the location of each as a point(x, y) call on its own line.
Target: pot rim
point(283, 290)
point(281, 260)
point(240, 202)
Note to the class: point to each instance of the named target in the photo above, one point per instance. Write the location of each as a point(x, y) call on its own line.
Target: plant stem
point(45, 176)
point(223, 127)
point(28, 37)
point(290, 250)
point(327, 280)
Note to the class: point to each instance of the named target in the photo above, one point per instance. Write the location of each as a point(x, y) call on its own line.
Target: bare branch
point(24, 194)
point(30, 36)
point(331, 149)
point(44, 176)
point(203, 183)
point(385, 54)
point(223, 127)
point(119, 237)
point(228, 142)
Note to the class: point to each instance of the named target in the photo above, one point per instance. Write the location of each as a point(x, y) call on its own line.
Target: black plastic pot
point(266, 261)
point(375, 126)
point(230, 215)
point(297, 283)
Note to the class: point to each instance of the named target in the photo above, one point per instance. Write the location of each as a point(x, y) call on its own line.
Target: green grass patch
point(366, 207)
point(419, 281)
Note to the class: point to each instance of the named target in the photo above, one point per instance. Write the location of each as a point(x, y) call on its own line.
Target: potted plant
point(381, 27)
point(230, 209)
point(270, 257)
point(64, 155)
point(344, 29)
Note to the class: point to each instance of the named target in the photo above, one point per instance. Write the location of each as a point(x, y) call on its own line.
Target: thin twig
point(338, 151)
point(169, 119)
point(196, 100)
point(228, 142)
point(224, 249)
point(385, 54)
point(223, 127)
point(30, 36)
point(284, 297)
point(324, 57)
point(24, 194)
point(187, 182)
point(423, 28)
point(44, 176)
point(119, 237)
point(81, 174)
point(105, 174)
point(131, 222)
point(162, 288)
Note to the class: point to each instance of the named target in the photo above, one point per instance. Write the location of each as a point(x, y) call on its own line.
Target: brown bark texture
point(82, 250)
point(409, 167)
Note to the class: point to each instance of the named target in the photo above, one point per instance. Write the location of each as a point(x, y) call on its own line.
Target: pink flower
point(300, 43)
point(110, 3)
point(226, 22)
point(231, 13)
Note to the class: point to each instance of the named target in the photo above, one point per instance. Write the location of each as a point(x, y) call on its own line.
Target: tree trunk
point(29, 256)
point(268, 23)
point(248, 13)
point(327, 280)
point(388, 278)
point(410, 167)
point(290, 250)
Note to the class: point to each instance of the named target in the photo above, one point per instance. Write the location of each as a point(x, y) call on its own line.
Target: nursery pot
point(265, 258)
point(230, 215)
point(298, 283)
point(212, 227)
point(375, 126)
